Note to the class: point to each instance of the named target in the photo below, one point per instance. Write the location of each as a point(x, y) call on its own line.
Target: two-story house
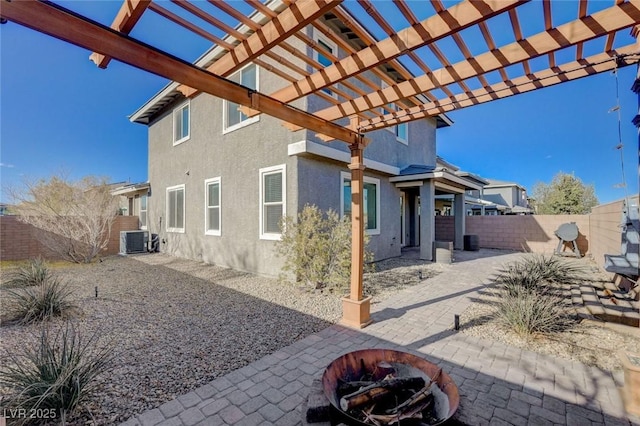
point(221, 180)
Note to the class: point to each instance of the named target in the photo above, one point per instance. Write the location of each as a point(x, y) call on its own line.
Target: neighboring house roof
point(131, 188)
point(495, 183)
point(520, 209)
point(170, 93)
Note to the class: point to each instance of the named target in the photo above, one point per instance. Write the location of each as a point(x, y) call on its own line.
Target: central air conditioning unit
point(133, 241)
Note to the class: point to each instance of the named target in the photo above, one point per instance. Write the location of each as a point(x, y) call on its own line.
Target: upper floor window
point(233, 118)
point(175, 208)
point(272, 201)
point(181, 123)
point(371, 201)
point(324, 60)
point(401, 130)
point(212, 213)
point(143, 212)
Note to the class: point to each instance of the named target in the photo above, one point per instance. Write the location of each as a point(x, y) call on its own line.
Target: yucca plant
point(538, 272)
point(46, 300)
point(56, 375)
point(529, 312)
point(34, 273)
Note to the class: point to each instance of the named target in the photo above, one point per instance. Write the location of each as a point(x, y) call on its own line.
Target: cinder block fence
point(18, 240)
point(599, 232)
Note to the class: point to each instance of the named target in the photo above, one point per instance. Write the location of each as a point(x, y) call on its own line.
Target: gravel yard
point(178, 324)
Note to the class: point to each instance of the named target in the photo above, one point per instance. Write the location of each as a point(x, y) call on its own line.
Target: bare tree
point(75, 217)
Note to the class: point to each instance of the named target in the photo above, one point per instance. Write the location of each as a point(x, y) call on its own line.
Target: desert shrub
point(529, 312)
point(35, 272)
point(41, 302)
point(54, 376)
point(317, 248)
point(538, 272)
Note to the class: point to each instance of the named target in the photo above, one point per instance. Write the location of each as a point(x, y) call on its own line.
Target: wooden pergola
point(399, 43)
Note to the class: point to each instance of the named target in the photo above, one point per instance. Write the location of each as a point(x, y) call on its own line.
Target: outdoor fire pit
point(387, 387)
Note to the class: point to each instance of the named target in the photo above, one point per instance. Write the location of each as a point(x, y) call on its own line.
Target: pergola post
point(355, 308)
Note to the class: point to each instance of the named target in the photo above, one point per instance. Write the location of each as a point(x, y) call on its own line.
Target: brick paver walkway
point(498, 384)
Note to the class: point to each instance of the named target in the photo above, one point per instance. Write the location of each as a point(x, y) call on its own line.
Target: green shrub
point(38, 303)
point(529, 312)
point(56, 375)
point(317, 248)
point(539, 272)
point(34, 273)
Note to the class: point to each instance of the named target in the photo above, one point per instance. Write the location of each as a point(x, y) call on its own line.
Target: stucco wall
point(18, 240)
point(319, 183)
point(236, 158)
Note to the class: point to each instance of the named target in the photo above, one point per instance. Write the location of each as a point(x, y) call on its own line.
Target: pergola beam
point(613, 19)
point(130, 12)
point(63, 24)
point(456, 18)
point(595, 64)
point(281, 27)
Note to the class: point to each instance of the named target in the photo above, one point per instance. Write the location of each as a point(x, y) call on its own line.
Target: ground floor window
point(272, 201)
point(175, 208)
point(143, 212)
point(371, 201)
point(212, 213)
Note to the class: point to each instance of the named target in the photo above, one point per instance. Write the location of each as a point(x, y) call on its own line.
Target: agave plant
point(37, 303)
point(54, 376)
point(34, 273)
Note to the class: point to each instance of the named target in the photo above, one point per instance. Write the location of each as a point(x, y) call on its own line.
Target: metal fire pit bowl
point(352, 366)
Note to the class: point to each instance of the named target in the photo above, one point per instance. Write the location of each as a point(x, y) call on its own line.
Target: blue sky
point(59, 112)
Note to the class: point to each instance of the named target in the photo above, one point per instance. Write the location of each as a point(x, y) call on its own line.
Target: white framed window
point(212, 213)
point(371, 201)
point(400, 130)
point(325, 44)
point(273, 184)
point(402, 133)
point(233, 118)
point(143, 212)
point(181, 123)
point(175, 208)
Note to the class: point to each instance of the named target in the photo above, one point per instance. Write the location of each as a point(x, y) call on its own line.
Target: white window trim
point(207, 182)
point(146, 226)
point(184, 202)
point(394, 129)
point(398, 138)
point(173, 115)
point(318, 36)
point(347, 176)
point(228, 129)
point(268, 170)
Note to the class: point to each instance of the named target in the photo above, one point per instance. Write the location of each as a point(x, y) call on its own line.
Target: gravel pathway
point(177, 324)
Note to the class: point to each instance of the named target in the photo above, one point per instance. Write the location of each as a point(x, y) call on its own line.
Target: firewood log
point(417, 397)
point(377, 390)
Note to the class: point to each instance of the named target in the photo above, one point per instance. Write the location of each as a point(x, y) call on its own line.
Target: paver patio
point(498, 384)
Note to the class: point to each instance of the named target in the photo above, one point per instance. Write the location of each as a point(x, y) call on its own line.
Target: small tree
point(566, 194)
point(317, 248)
point(75, 217)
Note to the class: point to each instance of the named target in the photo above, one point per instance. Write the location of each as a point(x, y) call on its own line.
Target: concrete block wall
point(18, 240)
point(526, 233)
point(599, 232)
